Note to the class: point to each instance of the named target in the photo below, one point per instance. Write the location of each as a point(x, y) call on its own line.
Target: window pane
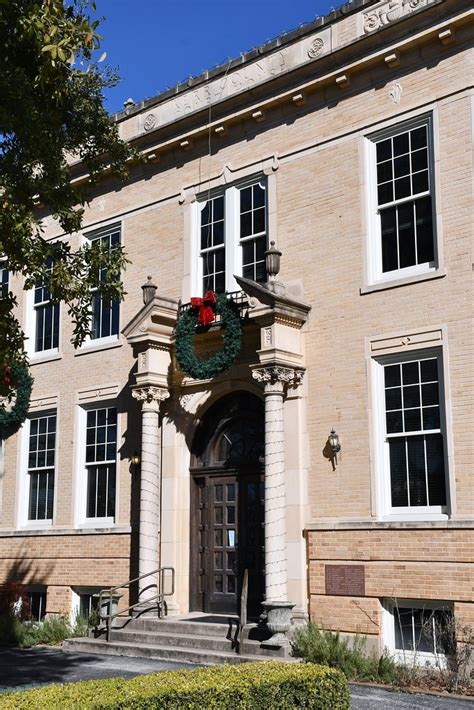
point(392, 375)
point(431, 419)
point(411, 396)
point(419, 160)
point(416, 470)
point(394, 422)
point(400, 144)
point(403, 629)
point(435, 469)
point(429, 370)
point(389, 239)
point(420, 182)
point(424, 230)
point(406, 235)
point(246, 199)
point(384, 149)
point(246, 224)
point(412, 419)
point(259, 221)
point(401, 166)
point(418, 137)
point(384, 171)
point(385, 193)
point(393, 398)
point(410, 373)
point(398, 472)
point(402, 188)
point(430, 394)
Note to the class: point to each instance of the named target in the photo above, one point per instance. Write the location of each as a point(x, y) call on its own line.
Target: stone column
point(150, 486)
point(275, 379)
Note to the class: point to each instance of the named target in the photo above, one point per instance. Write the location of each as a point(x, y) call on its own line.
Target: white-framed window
point(41, 466)
point(231, 236)
point(105, 314)
point(418, 632)
point(100, 464)
point(36, 604)
point(411, 434)
point(85, 601)
point(46, 317)
point(402, 229)
point(4, 279)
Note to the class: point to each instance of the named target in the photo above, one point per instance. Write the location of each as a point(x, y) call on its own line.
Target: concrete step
point(166, 638)
point(183, 626)
point(169, 653)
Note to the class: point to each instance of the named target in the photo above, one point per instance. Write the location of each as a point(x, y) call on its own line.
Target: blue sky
point(156, 43)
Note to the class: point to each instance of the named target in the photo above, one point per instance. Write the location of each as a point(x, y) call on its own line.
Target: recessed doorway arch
point(227, 505)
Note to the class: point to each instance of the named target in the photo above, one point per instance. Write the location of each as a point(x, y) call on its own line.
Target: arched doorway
point(227, 506)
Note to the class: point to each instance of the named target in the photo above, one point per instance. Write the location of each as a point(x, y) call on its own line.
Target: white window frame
point(375, 274)
point(24, 488)
point(82, 521)
point(382, 451)
point(76, 599)
point(31, 325)
point(3, 269)
point(407, 656)
point(232, 241)
point(88, 237)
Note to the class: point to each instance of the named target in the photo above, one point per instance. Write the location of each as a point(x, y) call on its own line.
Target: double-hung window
point(46, 316)
point(413, 433)
point(105, 314)
point(232, 237)
point(101, 462)
point(402, 208)
point(41, 467)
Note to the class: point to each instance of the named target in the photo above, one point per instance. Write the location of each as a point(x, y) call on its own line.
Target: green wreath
point(23, 383)
point(188, 361)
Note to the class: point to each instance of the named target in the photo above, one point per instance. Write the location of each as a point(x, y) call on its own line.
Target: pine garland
point(23, 383)
point(189, 362)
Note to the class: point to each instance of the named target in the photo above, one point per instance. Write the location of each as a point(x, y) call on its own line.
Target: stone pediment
point(274, 296)
point(155, 322)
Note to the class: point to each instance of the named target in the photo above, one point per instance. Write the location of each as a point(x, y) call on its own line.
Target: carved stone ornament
point(150, 394)
point(315, 48)
point(150, 122)
point(275, 373)
point(388, 11)
point(185, 399)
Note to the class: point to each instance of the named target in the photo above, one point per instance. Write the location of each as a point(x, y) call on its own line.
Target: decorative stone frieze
point(389, 11)
point(275, 374)
point(150, 394)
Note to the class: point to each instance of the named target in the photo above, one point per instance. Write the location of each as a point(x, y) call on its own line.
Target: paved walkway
point(22, 669)
point(366, 697)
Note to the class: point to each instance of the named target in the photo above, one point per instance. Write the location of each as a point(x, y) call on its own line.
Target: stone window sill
point(97, 347)
point(405, 281)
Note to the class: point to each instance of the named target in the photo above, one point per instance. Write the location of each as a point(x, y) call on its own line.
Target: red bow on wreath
point(206, 307)
point(5, 379)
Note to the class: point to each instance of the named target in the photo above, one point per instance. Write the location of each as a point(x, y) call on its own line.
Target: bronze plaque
point(345, 580)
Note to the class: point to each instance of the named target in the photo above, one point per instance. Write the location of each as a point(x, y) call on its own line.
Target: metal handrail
point(159, 597)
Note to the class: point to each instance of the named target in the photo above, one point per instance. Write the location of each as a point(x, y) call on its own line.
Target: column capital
point(150, 396)
point(276, 377)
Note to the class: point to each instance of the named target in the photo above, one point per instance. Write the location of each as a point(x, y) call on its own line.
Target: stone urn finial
point(149, 290)
point(272, 262)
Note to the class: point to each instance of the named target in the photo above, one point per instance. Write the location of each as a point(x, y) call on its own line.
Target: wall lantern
point(135, 459)
point(333, 440)
point(272, 261)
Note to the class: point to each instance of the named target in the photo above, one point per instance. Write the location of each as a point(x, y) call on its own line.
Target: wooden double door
point(227, 538)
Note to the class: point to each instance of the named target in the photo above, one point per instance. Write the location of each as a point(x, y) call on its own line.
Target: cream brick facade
point(303, 124)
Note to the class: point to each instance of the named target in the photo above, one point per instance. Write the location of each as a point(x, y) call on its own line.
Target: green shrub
point(318, 646)
point(251, 686)
point(52, 630)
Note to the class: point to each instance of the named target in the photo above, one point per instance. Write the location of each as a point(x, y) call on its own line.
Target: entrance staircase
point(196, 638)
point(142, 629)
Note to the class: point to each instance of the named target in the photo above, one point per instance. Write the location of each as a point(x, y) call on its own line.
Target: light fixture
point(135, 459)
point(333, 440)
